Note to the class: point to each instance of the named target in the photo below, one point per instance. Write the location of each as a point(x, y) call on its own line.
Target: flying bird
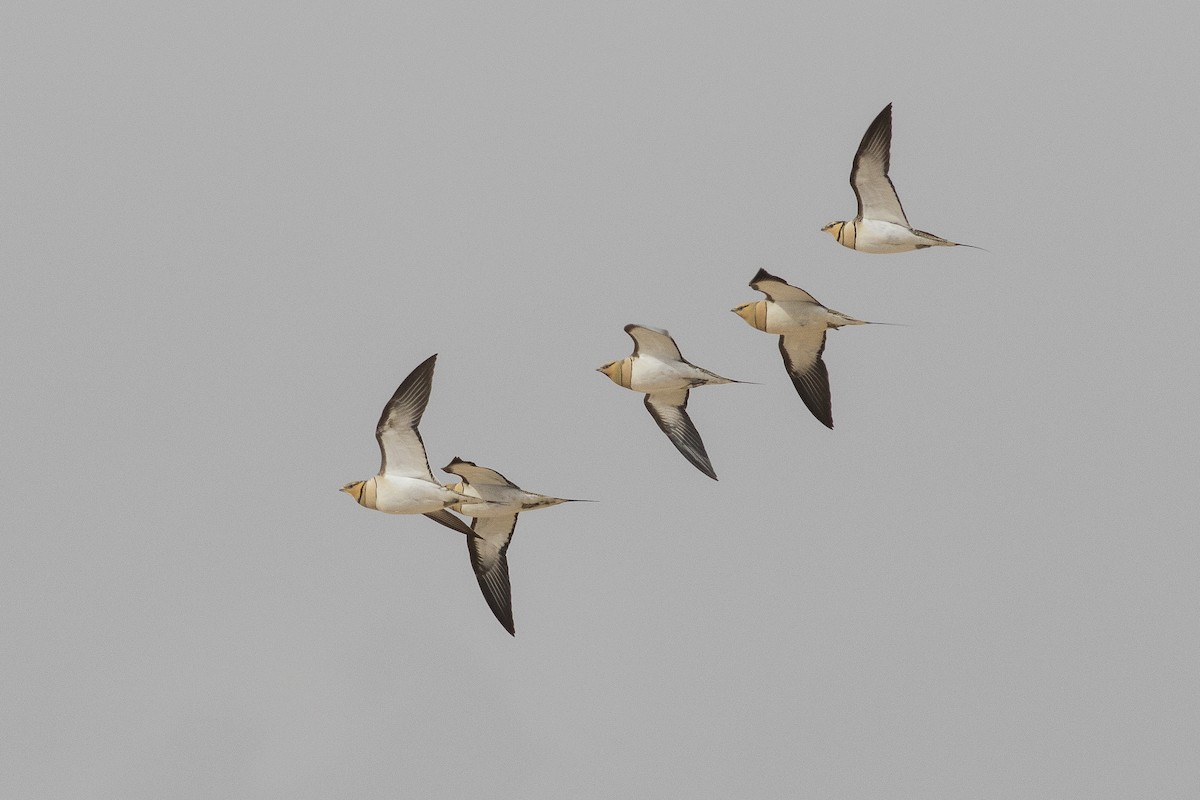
point(801, 322)
point(405, 484)
point(880, 226)
point(657, 369)
point(494, 502)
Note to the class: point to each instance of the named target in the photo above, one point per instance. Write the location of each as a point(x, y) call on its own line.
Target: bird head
point(355, 490)
point(834, 229)
point(617, 371)
point(754, 313)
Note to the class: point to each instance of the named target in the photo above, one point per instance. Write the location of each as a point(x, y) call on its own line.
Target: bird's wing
point(401, 449)
point(452, 522)
point(653, 342)
point(778, 290)
point(802, 360)
point(476, 475)
point(489, 559)
point(877, 198)
point(669, 410)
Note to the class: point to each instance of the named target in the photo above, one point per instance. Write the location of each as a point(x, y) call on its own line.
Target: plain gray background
point(229, 232)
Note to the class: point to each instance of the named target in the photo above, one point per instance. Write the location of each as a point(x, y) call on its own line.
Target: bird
point(657, 369)
point(801, 322)
point(881, 226)
point(494, 505)
point(405, 484)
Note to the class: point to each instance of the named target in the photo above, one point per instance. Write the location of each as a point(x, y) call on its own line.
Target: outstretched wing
point(778, 290)
point(489, 558)
point(877, 198)
point(653, 342)
point(401, 450)
point(476, 475)
point(669, 410)
point(802, 360)
point(452, 522)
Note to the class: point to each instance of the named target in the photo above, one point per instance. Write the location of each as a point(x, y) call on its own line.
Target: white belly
point(652, 375)
point(395, 495)
point(877, 236)
point(794, 317)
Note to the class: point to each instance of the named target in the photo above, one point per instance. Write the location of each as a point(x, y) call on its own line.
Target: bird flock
point(656, 368)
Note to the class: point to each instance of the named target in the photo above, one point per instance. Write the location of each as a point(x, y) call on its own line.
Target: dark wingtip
point(762, 275)
point(504, 617)
point(882, 122)
point(452, 522)
point(455, 461)
point(705, 466)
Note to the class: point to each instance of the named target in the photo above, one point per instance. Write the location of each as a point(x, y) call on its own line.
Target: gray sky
point(230, 232)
